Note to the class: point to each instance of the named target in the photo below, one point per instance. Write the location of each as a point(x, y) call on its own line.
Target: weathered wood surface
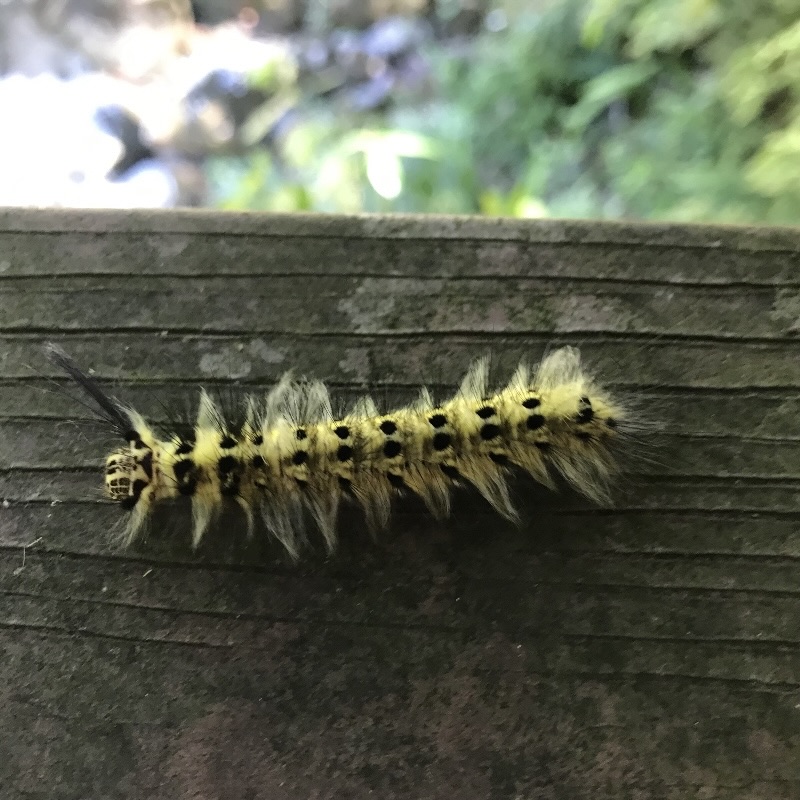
point(652, 651)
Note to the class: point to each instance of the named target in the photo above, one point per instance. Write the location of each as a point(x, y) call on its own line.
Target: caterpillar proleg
point(291, 455)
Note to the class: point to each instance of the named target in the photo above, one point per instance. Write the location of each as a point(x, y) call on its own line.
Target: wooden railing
point(652, 650)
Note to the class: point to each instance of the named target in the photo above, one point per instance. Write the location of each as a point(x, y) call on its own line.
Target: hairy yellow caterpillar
point(290, 454)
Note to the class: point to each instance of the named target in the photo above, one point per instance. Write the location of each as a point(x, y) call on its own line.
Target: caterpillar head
point(129, 471)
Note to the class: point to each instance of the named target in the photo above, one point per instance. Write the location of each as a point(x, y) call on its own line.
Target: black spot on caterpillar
point(289, 452)
point(441, 441)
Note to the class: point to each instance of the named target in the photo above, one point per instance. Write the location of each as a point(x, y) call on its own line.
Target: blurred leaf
point(600, 13)
point(663, 25)
point(758, 71)
point(263, 119)
point(399, 143)
point(602, 91)
point(385, 172)
point(383, 151)
point(775, 169)
point(277, 73)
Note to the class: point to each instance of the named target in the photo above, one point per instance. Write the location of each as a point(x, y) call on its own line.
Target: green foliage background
point(651, 109)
